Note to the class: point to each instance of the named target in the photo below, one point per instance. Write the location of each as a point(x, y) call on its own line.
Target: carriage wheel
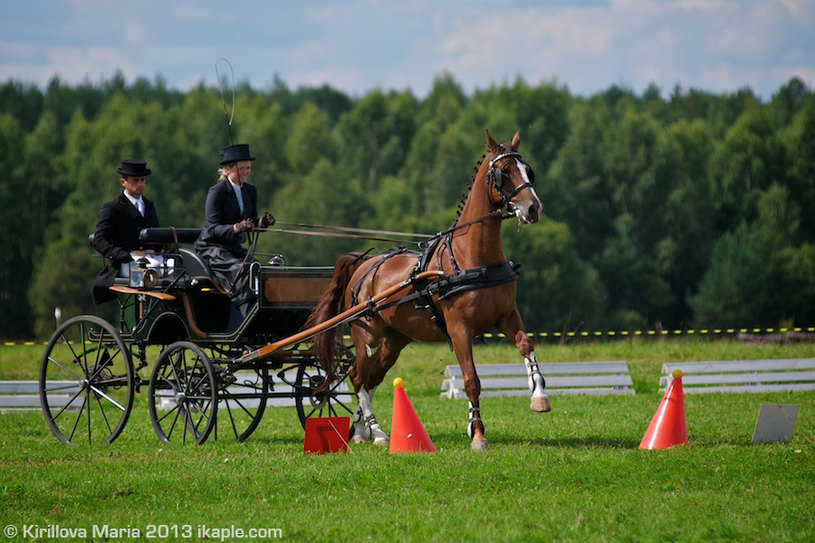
point(337, 399)
point(182, 394)
point(240, 416)
point(86, 381)
point(242, 395)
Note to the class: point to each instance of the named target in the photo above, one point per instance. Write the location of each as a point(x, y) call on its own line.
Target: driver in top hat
point(120, 221)
point(231, 212)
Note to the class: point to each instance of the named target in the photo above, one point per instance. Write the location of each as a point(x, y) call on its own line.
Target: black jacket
point(117, 233)
point(222, 212)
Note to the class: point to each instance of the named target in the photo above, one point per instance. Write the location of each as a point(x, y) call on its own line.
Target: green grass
point(572, 474)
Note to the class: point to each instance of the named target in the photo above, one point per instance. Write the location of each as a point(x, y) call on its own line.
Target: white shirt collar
point(234, 185)
point(133, 201)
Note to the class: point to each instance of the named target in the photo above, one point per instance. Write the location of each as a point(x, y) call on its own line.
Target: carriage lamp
point(141, 276)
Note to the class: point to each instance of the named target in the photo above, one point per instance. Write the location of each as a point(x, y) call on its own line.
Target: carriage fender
point(168, 328)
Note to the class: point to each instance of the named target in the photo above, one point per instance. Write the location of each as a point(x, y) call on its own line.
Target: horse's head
point(510, 180)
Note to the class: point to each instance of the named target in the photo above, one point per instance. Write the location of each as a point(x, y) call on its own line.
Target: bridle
point(495, 180)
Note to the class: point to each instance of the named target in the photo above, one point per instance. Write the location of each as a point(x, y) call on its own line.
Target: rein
point(348, 232)
point(426, 238)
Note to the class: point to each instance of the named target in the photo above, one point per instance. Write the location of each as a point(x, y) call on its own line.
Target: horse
point(478, 295)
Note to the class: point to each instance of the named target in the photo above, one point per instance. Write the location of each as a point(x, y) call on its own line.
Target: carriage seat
point(162, 238)
point(196, 269)
point(169, 235)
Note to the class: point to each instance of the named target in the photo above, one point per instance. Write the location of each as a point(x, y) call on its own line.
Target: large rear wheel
point(86, 381)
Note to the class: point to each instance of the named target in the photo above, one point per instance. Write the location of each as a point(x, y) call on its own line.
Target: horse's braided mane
point(466, 193)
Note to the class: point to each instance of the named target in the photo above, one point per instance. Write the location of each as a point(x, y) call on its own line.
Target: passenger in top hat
point(231, 212)
point(120, 221)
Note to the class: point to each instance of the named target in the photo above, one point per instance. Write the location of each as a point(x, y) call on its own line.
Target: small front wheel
point(317, 398)
point(182, 396)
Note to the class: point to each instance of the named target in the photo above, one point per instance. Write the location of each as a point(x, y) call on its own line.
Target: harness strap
point(373, 269)
point(175, 238)
point(448, 244)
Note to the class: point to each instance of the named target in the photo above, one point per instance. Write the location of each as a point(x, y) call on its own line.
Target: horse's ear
point(492, 145)
point(516, 141)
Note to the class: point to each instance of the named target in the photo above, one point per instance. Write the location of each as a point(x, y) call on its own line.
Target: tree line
point(690, 209)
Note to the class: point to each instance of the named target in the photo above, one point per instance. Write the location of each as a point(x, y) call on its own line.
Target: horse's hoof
point(540, 404)
point(382, 441)
point(359, 439)
point(479, 445)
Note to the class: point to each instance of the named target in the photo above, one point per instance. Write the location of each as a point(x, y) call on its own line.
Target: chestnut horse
point(503, 184)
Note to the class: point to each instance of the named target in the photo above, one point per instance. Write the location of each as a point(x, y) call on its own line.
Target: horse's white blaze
point(525, 201)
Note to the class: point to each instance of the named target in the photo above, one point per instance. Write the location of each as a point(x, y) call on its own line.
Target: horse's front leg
point(513, 327)
point(463, 347)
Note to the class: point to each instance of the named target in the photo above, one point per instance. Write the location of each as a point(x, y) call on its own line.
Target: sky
point(357, 46)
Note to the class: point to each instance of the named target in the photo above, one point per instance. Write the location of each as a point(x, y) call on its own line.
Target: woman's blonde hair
point(223, 170)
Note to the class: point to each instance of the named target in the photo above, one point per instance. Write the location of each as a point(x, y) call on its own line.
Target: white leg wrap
point(475, 416)
point(535, 379)
point(365, 423)
point(539, 401)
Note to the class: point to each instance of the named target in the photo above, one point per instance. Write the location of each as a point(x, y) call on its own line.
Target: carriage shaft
point(348, 314)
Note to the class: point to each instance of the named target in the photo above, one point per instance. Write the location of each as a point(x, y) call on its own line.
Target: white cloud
point(192, 11)
point(356, 45)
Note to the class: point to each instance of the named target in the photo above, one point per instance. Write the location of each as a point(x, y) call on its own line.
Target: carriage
point(215, 374)
point(201, 383)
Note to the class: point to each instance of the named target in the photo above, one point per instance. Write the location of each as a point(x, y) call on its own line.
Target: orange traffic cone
point(668, 428)
point(407, 432)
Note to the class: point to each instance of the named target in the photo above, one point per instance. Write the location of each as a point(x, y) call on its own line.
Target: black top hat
point(134, 168)
point(236, 153)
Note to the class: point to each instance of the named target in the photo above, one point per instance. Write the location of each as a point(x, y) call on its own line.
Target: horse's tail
point(329, 306)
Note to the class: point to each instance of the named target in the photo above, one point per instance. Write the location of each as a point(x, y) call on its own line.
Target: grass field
point(572, 474)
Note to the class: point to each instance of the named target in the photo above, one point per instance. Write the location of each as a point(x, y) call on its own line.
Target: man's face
point(134, 186)
point(239, 172)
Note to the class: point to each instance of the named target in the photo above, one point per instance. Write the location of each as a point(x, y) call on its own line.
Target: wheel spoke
point(78, 416)
point(342, 404)
point(78, 378)
point(64, 407)
point(102, 412)
point(108, 398)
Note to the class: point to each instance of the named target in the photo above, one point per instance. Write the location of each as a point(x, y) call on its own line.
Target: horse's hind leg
point(513, 328)
point(382, 358)
point(365, 426)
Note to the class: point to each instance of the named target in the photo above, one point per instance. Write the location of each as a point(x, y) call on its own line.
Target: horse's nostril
point(533, 213)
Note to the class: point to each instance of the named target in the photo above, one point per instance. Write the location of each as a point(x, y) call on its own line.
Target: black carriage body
point(187, 305)
point(175, 316)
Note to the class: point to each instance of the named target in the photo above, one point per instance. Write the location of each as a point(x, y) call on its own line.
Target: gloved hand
point(266, 220)
point(120, 257)
point(246, 225)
